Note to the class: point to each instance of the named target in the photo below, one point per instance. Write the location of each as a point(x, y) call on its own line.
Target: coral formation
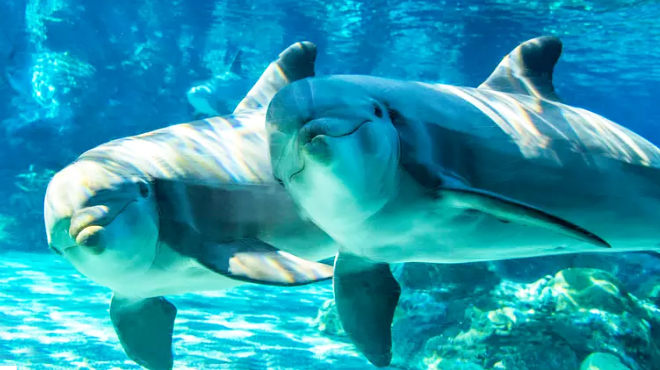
point(580, 318)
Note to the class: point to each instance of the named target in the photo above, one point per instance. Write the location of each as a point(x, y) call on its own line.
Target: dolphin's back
point(572, 163)
point(216, 150)
point(535, 126)
point(542, 128)
point(486, 135)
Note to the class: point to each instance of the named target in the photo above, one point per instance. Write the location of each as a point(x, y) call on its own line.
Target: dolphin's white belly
point(172, 274)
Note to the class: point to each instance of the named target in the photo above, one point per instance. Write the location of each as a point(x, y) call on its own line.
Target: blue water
point(78, 73)
point(51, 317)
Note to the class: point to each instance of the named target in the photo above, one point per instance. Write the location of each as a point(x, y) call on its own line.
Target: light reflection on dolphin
point(190, 207)
point(402, 171)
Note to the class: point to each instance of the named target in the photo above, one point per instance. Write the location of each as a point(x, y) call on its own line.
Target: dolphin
point(210, 98)
point(402, 171)
point(190, 207)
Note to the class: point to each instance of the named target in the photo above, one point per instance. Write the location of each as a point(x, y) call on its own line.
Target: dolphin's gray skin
point(191, 207)
point(401, 171)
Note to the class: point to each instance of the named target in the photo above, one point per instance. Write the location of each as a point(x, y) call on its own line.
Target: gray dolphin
point(402, 171)
point(191, 207)
point(216, 95)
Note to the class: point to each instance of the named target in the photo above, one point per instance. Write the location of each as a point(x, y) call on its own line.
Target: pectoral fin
point(366, 296)
point(255, 261)
point(511, 210)
point(144, 328)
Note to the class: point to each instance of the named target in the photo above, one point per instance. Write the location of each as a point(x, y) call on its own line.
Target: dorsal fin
point(528, 69)
point(294, 63)
point(236, 66)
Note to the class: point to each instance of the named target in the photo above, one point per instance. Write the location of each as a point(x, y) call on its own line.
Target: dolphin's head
point(335, 148)
point(103, 221)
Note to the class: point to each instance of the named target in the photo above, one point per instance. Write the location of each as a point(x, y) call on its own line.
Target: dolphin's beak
point(289, 110)
point(80, 201)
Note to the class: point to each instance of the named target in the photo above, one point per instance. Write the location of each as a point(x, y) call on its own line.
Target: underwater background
point(77, 73)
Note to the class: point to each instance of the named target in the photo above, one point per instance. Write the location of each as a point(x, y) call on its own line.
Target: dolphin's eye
point(144, 189)
point(378, 111)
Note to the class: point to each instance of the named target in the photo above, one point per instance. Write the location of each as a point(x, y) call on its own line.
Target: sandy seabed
point(51, 317)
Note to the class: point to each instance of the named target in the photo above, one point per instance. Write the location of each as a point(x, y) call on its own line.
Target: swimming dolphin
point(402, 171)
point(214, 96)
point(190, 207)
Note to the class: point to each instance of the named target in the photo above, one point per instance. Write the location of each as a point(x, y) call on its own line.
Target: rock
point(506, 339)
point(602, 361)
point(627, 335)
point(421, 316)
point(632, 269)
point(552, 324)
point(650, 290)
point(585, 289)
point(450, 364)
point(594, 313)
point(327, 320)
point(608, 262)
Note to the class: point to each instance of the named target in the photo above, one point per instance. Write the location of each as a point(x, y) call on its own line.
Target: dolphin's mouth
point(88, 233)
point(297, 172)
point(326, 127)
point(304, 139)
point(318, 129)
point(100, 217)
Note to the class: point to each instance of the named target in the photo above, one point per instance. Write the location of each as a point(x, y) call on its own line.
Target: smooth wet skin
point(102, 207)
point(403, 171)
point(323, 152)
point(191, 207)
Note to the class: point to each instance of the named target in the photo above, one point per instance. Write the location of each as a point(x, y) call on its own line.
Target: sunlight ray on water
point(53, 318)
